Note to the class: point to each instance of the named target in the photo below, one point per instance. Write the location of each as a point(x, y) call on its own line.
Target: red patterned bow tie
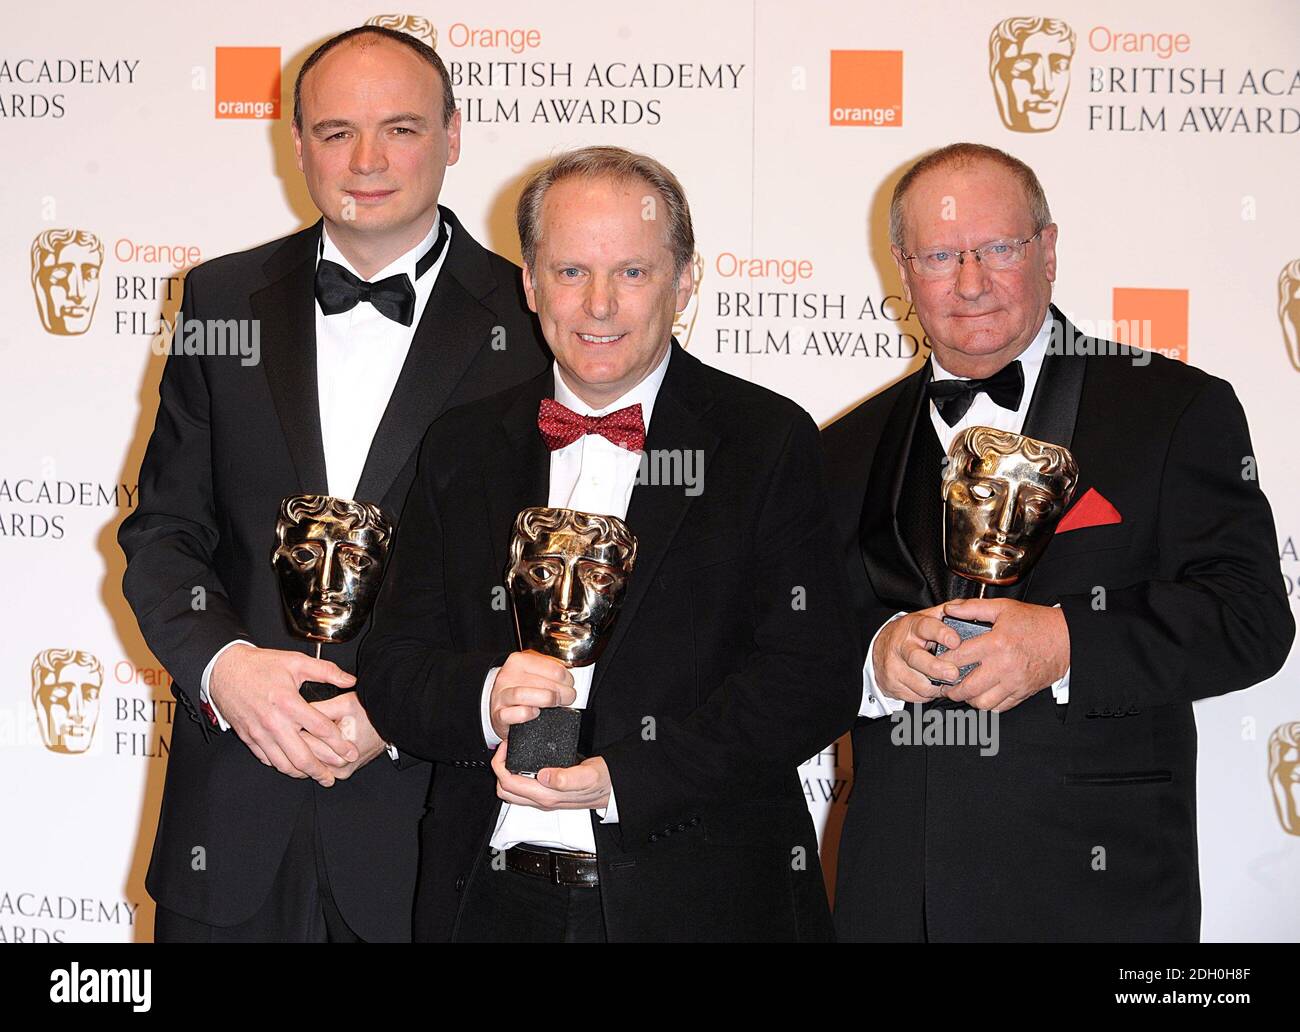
point(562, 426)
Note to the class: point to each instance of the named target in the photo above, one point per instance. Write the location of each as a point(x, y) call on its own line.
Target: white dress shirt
point(983, 412)
point(359, 357)
point(592, 475)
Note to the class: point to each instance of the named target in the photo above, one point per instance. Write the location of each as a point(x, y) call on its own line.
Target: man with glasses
point(1076, 818)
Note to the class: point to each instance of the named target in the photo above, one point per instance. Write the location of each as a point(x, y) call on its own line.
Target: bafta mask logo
point(567, 578)
point(1288, 310)
point(329, 560)
point(65, 694)
point(65, 279)
point(1284, 775)
point(412, 24)
point(684, 321)
point(1029, 63)
point(1003, 495)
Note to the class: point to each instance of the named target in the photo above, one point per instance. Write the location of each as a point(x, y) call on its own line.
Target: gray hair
point(958, 155)
point(608, 163)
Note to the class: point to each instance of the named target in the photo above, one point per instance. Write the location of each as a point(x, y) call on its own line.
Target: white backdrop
point(1167, 142)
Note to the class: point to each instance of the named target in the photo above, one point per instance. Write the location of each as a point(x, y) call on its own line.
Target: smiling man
point(733, 658)
point(373, 321)
point(1160, 586)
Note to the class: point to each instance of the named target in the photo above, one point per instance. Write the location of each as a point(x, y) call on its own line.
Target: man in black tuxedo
point(1159, 587)
point(371, 324)
point(733, 658)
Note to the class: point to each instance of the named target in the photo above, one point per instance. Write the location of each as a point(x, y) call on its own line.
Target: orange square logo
point(248, 82)
point(867, 87)
point(1153, 319)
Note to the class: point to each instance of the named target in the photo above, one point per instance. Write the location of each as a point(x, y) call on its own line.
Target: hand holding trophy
point(329, 560)
point(567, 579)
point(1003, 495)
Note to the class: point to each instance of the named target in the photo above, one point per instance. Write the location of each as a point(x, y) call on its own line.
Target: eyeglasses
point(999, 255)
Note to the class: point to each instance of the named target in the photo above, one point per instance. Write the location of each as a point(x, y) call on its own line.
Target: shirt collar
point(1031, 359)
point(643, 394)
point(404, 263)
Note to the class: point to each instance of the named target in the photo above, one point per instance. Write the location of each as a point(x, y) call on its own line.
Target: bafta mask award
point(329, 559)
point(1003, 495)
point(567, 578)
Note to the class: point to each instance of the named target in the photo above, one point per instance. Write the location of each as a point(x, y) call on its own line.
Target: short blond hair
point(607, 163)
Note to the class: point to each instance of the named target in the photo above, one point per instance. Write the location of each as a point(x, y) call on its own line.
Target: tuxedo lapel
point(523, 477)
point(286, 310)
point(1054, 409)
point(454, 326)
point(896, 577)
point(655, 511)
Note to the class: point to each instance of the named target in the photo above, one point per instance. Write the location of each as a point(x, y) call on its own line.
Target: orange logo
point(248, 82)
point(1153, 319)
point(867, 87)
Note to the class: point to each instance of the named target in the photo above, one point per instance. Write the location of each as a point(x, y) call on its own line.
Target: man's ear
point(529, 292)
point(453, 138)
point(903, 270)
point(685, 286)
point(1048, 240)
point(297, 145)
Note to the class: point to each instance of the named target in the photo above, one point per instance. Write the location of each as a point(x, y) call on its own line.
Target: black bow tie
point(338, 290)
point(953, 398)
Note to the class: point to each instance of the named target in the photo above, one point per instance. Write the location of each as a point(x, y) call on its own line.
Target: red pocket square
point(1092, 510)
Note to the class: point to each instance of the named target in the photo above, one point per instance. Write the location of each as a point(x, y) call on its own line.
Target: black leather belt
point(557, 866)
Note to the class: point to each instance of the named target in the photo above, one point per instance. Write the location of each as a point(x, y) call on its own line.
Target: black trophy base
point(548, 740)
point(967, 629)
point(319, 691)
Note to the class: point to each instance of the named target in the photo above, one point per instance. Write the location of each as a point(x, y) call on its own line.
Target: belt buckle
point(555, 867)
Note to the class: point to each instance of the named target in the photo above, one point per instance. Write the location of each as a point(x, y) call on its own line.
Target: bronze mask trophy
point(567, 579)
point(329, 560)
point(1003, 495)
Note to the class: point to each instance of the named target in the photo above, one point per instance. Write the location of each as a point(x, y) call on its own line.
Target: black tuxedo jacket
point(733, 660)
point(231, 441)
point(1083, 825)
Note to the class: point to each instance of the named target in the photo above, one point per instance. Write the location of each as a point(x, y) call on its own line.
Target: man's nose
point(601, 302)
point(76, 285)
point(368, 156)
point(971, 279)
